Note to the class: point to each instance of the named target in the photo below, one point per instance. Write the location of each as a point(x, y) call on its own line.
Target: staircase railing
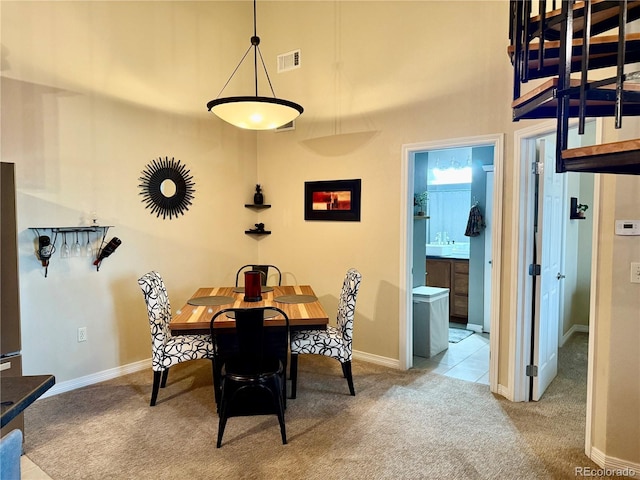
point(522, 31)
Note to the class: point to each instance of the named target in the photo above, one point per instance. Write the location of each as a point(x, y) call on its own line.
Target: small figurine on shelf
point(259, 228)
point(258, 198)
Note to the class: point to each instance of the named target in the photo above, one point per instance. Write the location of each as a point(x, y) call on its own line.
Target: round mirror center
point(168, 188)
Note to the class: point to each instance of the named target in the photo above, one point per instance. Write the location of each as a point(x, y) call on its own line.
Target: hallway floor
point(466, 360)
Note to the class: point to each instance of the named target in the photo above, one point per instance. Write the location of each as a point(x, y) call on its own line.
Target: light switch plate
point(635, 272)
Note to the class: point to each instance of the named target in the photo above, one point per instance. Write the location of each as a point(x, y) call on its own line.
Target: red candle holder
point(252, 289)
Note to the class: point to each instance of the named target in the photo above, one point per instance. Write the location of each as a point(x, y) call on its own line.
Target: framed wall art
point(335, 200)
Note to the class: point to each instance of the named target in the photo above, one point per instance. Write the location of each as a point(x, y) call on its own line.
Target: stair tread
point(603, 149)
point(603, 52)
point(617, 157)
point(552, 84)
point(542, 101)
point(604, 12)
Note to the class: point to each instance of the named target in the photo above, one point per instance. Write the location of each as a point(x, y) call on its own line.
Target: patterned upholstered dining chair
point(334, 342)
point(167, 349)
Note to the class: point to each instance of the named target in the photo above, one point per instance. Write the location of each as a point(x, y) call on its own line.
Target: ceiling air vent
point(289, 61)
point(287, 126)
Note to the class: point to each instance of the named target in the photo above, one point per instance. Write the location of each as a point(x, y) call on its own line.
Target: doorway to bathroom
point(435, 183)
point(453, 188)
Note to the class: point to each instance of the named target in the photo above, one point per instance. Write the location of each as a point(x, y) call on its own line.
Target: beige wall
point(616, 357)
point(92, 91)
point(381, 70)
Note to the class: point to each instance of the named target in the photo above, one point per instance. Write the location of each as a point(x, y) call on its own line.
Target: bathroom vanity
point(452, 273)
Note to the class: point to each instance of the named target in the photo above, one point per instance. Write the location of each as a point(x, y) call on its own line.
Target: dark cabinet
point(451, 273)
point(10, 340)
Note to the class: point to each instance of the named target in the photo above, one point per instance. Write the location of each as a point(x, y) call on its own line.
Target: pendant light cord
point(255, 41)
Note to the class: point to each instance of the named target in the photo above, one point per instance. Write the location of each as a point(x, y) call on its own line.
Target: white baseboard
point(504, 391)
point(97, 377)
point(612, 466)
point(377, 359)
point(474, 327)
point(571, 331)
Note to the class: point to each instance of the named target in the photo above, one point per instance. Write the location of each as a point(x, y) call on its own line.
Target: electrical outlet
point(635, 272)
point(82, 334)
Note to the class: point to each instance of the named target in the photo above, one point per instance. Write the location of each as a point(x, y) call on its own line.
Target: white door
point(488, 220)
point(549, 244)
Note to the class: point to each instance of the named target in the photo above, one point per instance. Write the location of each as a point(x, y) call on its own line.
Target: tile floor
point(466, 360)
point(30, 471)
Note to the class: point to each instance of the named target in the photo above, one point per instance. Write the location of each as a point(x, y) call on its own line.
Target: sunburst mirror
point(167, 187)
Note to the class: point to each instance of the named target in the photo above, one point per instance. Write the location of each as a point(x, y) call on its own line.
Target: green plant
point(420, 199)
point(582, 207)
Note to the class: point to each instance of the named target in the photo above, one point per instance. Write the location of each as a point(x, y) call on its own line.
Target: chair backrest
point(159, 311)
point(255, 344)
point(347, 307)
point(264, 273)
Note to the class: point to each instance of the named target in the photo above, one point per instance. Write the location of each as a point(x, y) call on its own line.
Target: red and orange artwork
point(334, 200)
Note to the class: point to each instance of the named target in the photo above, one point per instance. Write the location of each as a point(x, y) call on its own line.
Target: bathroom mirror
point(167, 188)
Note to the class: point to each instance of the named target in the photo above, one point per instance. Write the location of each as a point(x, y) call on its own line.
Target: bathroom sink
point(437, 250)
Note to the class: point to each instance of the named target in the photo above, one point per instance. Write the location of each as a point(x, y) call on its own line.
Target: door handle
point(559, 276)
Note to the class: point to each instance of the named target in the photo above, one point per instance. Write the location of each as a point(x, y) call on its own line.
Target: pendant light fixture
point(254, 112)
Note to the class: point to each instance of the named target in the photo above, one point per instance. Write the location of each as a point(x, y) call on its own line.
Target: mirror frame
point(154, 174)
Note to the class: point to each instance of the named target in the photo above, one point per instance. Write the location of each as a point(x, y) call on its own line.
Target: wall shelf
point(257, 206)
point(573, 209)
point(89, 228)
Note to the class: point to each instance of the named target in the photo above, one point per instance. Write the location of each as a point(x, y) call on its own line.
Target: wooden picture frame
point(332, 200)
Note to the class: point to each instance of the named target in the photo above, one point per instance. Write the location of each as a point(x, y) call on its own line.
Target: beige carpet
point(400, 425)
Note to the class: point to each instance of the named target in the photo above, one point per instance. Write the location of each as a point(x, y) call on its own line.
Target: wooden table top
point(198, 317)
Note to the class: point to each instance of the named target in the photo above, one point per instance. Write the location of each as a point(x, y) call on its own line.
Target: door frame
point(487, 269)
point(522, 244)
point(547, 157)
point(406, 243)
point(521, 239)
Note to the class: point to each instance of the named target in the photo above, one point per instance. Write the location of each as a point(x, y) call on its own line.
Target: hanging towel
point(475, 224)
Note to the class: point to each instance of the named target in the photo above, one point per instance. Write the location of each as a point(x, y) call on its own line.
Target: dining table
point(299, 302)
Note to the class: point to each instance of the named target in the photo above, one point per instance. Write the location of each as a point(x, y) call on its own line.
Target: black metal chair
point(250, 363)
point(264, 271)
